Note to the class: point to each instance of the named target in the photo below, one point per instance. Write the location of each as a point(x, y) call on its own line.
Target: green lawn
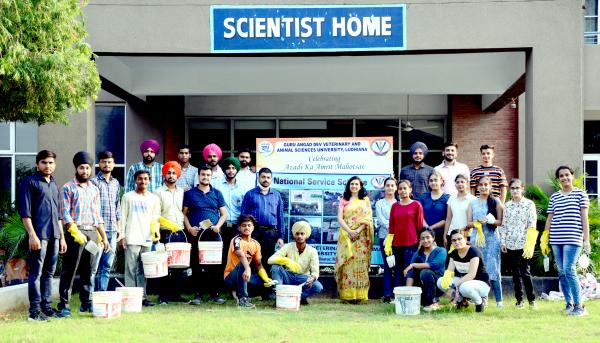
point(324, 320)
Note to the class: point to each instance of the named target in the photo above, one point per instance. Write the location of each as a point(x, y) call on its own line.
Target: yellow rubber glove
point(293, 266)
point(79, 237)
point(545, 242)
point(169, 225)
point(387, 244)
point(447, 279)
point(155, 231)
point(451, 248)
point(263, 275)
point(99, 239)
point(530, 239)
point(480, 242)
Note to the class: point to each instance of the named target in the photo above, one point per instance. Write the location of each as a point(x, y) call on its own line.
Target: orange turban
point(169, 165)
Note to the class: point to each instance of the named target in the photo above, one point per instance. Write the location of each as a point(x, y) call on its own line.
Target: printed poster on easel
point(311, 174)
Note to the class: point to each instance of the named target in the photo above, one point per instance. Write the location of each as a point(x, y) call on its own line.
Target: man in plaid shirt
point(80, 212)
point(149, 149)
point(110, 209)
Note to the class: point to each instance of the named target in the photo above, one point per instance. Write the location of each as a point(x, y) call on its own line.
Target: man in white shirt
point(450, 167)
point(246, 178)
point(140, 211)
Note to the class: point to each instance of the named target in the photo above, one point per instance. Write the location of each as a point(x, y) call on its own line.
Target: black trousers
point(206, 279)
point(170, 286)
point(267, 238)
point(77, 260)
point(520, 271)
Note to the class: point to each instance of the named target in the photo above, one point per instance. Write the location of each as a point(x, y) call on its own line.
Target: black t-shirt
point(462, 264)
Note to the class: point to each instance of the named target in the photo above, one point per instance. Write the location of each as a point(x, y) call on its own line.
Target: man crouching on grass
point(297, 263)
point(243, 249)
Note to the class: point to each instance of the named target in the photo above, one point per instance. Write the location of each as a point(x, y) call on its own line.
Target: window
point(591, 157)
point(18, 147)
point(591, 32)
point(591, 164)
point(110, 135)
point(231, 134)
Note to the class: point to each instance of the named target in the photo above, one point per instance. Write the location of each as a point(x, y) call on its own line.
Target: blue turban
point(419, 145)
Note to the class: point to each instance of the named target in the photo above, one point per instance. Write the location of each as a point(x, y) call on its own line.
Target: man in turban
point(149, 148)
point(170, 195)
point(417, 172)
point(297, 263)
point(80, 214)
point(212, 154)
point(234, 195)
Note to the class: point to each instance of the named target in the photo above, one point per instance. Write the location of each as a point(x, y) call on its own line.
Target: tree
point(47, 69)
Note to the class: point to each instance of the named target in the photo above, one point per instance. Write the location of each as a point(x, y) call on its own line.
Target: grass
point(324, 320)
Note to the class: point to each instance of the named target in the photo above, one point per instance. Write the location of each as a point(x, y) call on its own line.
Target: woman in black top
point(465, 273)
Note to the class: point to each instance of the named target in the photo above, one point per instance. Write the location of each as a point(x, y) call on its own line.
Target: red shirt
point(405, 221)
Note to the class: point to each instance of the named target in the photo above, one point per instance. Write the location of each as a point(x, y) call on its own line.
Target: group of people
point(444, 229)
point(162, 203)
point(441, 228)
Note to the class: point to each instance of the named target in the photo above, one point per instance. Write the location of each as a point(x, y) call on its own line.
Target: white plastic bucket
point(106, 304)
point(210, 252)
point(178, 255)
point(288, 297)
point(407, 300)
point(155, 264)
point(131, 298)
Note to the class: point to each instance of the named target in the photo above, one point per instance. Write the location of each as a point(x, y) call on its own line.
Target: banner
point(311, 175)
point(307, 28)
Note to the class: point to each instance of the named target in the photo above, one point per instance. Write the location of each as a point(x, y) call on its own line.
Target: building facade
point(515, 74)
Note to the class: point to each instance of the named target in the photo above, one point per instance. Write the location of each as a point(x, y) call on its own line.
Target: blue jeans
point(104, 262)
point(497, 287)
point(285, 277)
point(235, 280)
point(387, 273)
point(565, 256)
point(427, 280)
point(42, 264)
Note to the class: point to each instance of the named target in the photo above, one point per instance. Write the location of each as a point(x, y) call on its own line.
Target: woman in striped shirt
point(568, 227)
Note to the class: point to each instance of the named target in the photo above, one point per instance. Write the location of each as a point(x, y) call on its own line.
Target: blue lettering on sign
point(242, 29)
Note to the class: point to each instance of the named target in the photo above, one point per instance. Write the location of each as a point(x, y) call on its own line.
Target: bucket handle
point(219, 233)
point(180, 231)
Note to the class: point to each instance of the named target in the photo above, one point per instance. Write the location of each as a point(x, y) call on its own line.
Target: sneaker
point(520, 304)
point(578, 311)
point(533, 305)
point(218, 300)
point(432, 307)
point(86, 309)
point(386, 299)
point(50, 313)
point(196, 301)
point(245, 303)
point(162, 301)
point(303, 301)
point(38, 317)
point(269, 297)
point(464, 303)
point(568, 309)
point(63, 313)
point(499, 305)
point(147, 303)
point(481, 307)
